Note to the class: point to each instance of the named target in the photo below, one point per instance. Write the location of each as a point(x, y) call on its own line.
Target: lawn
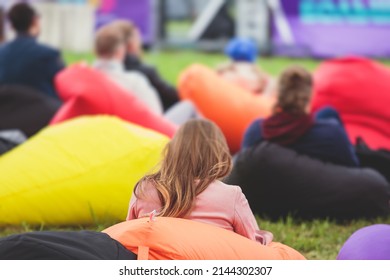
point(318, 239)
point(171, 63)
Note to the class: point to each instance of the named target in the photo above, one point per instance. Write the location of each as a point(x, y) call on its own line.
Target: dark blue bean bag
point(278, 181)
point(25, 109)
point(63, 245)
point(376, 159)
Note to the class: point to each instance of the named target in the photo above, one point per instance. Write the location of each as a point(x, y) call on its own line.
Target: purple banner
point(140, 12)
point(329, 28)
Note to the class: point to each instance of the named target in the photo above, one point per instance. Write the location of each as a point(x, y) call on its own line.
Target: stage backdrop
point(328, 28)
point(141, 12)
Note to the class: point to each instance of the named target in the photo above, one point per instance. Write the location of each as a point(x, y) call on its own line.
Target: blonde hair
point(295, 89)
point(108, 40)
point(196, 156)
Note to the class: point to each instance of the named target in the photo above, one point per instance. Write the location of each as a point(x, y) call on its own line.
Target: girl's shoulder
point(219, 196)
point(146, 188)
point(223, 187)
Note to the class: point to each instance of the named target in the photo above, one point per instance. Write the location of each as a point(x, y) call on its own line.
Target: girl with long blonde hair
point(187, 183)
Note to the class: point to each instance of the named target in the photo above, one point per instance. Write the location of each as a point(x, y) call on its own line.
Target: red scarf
point(286, 128)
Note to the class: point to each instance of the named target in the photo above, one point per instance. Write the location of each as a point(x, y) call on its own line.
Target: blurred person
point(321, 136)
point(24, 61)
point(133, 61)
point(2, 16)
point(242, 68)
point(187, 184)
point(110, 49)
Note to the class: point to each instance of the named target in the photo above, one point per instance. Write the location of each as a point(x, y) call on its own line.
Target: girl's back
point(216, 205)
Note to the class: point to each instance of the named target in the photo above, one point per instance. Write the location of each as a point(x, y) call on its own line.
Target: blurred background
point(179, 33)
point(295, 28)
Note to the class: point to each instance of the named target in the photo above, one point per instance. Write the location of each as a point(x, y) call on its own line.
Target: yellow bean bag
point(79, 172)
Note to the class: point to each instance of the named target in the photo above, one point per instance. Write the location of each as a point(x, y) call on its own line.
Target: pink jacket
point(219, 204)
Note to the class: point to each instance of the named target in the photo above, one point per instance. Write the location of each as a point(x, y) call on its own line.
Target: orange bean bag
point(359, 89)
point(232, 108)
point(181, 239)
point(86, 91)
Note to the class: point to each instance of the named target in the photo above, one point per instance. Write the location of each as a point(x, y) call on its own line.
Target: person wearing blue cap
point(242, 68)
point(242, 49)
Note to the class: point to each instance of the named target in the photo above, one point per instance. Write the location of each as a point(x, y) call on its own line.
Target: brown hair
point(295, 89)
point(125, 27)
point(107, 41)
point(196, 156)
point(21, 16)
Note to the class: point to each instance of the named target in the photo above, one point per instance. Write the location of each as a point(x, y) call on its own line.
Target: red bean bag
point(231, 107)
point(86, 91)
point(181, 239)
point(360, 90)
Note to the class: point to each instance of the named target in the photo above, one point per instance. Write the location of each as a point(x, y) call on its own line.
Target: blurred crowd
point(188, 182)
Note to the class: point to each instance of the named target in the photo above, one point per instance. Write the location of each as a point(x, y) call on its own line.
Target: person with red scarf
point(292, 126)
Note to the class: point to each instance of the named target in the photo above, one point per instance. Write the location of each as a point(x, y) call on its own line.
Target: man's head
point(110, 43)
point(24, 19)
point(131, 34)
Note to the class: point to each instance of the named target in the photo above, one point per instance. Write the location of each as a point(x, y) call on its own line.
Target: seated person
point(291, 126)
point(110, 49)
point(187, 184)
point(132, 61)
point(242, 69)
point(24, 61)
point(329, 113)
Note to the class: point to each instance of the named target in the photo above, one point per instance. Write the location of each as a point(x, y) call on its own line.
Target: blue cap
point(241, 49)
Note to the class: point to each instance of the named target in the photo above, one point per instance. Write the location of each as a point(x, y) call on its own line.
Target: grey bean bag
point(25, 109)
point(9, 139)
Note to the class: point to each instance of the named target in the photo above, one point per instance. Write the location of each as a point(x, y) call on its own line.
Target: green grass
point(318, 239)
point(171, 63)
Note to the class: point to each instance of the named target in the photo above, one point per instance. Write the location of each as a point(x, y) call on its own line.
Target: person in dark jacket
point(291, 126)
point(24, 61)
point(168, 94)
